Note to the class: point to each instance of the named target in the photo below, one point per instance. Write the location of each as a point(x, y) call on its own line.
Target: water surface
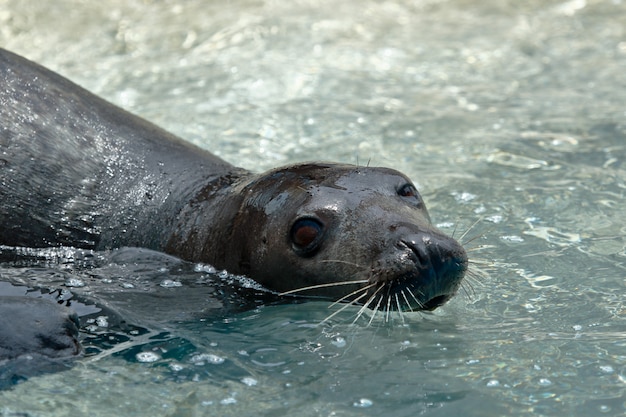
point(508, 115)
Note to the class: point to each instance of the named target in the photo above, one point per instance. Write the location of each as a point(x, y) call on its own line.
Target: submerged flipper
point(37, 326)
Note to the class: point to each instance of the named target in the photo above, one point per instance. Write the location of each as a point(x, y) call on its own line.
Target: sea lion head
point(358, 234)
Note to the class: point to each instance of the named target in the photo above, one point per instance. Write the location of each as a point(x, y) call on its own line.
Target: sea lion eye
point(306, 235)
point(408, 190)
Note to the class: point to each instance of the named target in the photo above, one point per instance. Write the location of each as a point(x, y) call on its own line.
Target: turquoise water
point(508, 115)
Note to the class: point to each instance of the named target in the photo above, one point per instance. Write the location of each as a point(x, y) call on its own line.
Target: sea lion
point(76, 170)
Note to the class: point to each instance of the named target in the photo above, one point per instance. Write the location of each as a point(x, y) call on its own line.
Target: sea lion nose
point(441, 253)
point(427, 246)
point(440, 263)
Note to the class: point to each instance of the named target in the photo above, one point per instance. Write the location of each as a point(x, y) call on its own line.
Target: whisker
point(419, 303)
point(380, 300)
point(481, 247)
point(480, 261)
point(477, 274)
point(366, 305)
point(388, 303)
point(468, 230)
point(405, 299)
point(471, 288)
point(331, 284)
point(467, 294)
point(473, 238)
point(339, 261)
point(470, 281)
point(473, 276)
point(341, 309)
point(454, 230)
point(399, 308)
point(367, 287)
point(363, 309)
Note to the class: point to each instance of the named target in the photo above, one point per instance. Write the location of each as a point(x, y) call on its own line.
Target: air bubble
point(249, 381)
point(363, 403)
point(147, 357)
point(74, 282)
point(210, 358)
point(168, 283)
point(339, 342)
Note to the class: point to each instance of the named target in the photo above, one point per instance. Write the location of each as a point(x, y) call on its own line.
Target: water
point(507, 114)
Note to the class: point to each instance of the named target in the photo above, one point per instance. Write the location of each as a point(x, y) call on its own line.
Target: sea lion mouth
point(438, 301)
point(411, 294)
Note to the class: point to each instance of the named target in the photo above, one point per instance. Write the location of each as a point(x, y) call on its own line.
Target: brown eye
point(306, 236)
point(408, 190)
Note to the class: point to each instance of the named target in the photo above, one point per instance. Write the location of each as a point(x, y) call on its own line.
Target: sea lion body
point(78, 171)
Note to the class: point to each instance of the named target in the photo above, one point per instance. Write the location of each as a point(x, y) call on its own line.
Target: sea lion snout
point(421, 271)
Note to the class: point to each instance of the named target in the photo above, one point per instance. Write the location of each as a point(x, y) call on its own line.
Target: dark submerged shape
point(76, 170)
point(37, 326)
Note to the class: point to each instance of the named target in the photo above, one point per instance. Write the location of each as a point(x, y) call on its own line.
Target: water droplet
point(203, 358)
point(512, 238)
point(249, 381)
point(607, 369)
point(544, 382)
point(496, 218)
point(204, 268)
point(229, 400)
point(168, 283)
point(339, 342)
point(74, 282)
point(147, 357)
point(363, 403)
point(463, 197)
point(102, 321)
point(176, 367)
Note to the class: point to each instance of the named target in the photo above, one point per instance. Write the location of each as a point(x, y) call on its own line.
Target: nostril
point(419, 246)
